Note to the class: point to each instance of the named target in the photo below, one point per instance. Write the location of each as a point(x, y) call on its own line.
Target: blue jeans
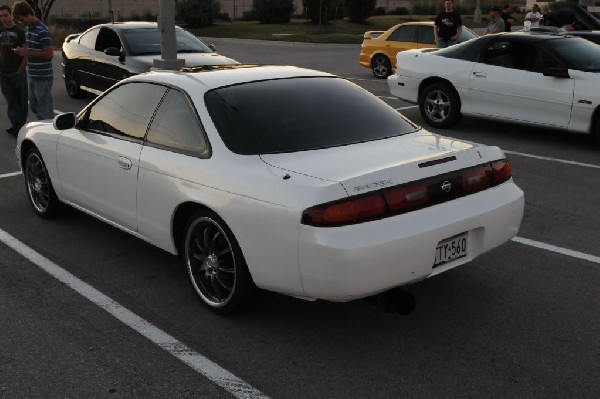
point(14, 90)
point(40, 97)
point(445, 43)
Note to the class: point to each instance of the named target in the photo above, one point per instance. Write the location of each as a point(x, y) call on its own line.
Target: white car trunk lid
point(382, 163)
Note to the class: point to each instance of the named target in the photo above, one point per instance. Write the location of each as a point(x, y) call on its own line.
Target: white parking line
point(565, 161)
point(226, 380)
point(389, 97)
point(407, 107)
point(368, 80)
point(558, 250)
point(10, 174)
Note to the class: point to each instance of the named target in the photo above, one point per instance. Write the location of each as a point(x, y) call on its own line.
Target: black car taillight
point(408, 197)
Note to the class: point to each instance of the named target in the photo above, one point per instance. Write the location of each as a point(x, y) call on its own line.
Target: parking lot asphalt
point(520, 321)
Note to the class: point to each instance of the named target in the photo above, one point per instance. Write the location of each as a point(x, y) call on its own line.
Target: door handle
point(480, 74)
point(125, 163)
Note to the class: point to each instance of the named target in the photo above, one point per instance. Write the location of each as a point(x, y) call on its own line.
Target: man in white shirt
point(534, 16)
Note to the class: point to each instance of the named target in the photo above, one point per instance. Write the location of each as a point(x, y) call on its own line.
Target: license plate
point(451, 249)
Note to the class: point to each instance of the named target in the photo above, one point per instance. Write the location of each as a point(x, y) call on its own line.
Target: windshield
point(147, 41)
point(465, 35)
point(300, 114)
point(579, 53)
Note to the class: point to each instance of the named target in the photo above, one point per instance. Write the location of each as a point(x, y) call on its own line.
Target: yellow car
point(379, 49)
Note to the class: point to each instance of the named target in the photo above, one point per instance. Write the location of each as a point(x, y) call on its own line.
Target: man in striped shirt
point(39, 53)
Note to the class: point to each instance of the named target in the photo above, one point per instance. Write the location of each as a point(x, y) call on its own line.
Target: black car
point(577, 16)
point(591, 35)
point(104, 54)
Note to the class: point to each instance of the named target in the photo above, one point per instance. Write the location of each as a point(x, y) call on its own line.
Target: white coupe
point(280, 178)
point(530, 78)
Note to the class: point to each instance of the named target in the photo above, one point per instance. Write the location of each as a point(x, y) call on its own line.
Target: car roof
point(532, 37)
point(212, 77)
point(121, 26)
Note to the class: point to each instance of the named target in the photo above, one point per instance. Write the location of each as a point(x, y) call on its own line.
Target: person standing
point(507, 18)
point(496, 24)
point(447, 26)
point(39, 53)
point(13, 79)
point(534, 16)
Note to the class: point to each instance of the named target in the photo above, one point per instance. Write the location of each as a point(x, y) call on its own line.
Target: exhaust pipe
point(396, 300)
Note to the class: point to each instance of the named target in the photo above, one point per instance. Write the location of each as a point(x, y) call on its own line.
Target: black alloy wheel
point(216, 266)
point(40, 192)
point(440, 105)
point(381, 66)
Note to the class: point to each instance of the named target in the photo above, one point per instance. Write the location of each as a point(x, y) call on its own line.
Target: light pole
point(477, 15)
point(168, 44)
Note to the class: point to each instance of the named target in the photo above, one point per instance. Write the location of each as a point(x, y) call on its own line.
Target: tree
point(273, 11)
point(359, 10)
point(329, 9)
point(198, 13)
point(41, 8)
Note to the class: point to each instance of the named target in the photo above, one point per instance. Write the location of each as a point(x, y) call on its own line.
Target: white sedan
point(530, 78)
point(280, 178)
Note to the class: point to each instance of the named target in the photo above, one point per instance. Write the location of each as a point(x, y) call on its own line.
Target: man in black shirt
point(448, 26)
point(13, 78)
point(508, 19)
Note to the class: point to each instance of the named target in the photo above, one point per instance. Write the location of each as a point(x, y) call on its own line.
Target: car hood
point(191, 59)
point(368, 166)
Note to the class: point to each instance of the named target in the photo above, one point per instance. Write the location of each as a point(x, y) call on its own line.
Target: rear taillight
point(501, 171)
point(408, 197)
point(402, 198)
point(476, 179)
point(352, 210)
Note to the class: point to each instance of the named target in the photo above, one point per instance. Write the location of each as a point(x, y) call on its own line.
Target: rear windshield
point(300, 114)
point(578, 53)
point(146, 41)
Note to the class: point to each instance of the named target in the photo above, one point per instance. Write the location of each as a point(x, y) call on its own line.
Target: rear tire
point(39, 188)
point(215, 264)
point(381, 66)
point(596, 129)
point(439, 104)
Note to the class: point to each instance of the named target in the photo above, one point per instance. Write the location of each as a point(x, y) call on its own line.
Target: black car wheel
point(215, 264)
point(72, 83)
point(440, 105)
point(381, 66)
point(40, 192)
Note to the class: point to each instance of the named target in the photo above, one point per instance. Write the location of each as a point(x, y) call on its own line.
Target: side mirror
point(64, 121)
point(112, 51)
point(557, 72)
point(212, 47)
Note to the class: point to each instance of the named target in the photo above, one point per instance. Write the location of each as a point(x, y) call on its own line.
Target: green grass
point(299, 30)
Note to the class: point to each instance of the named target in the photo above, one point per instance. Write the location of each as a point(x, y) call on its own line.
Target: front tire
point(440, 105)
point(215, 264)
point(381, 67)
point(40, 192)
point(72, 83)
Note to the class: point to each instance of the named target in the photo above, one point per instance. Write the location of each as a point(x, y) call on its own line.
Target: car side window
point(125, 111)
point(88, 39)
point(107, 38)
point(425, 35)
point(407, 33)
point(523, 56)
point(176, 127)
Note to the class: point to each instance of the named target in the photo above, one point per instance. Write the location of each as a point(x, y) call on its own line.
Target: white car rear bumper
point(404, 88)
point(350, 262)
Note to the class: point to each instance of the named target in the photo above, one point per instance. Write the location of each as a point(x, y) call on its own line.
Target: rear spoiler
point(374, 34)
point(71, 37)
